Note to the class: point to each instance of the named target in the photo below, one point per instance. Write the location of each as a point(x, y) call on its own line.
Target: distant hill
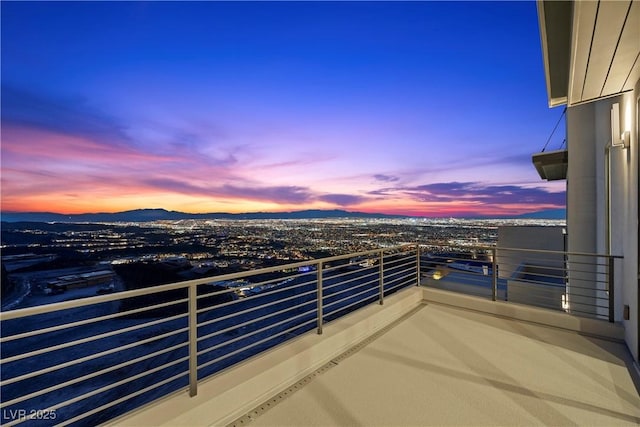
point(146, 215)
point(546, 214)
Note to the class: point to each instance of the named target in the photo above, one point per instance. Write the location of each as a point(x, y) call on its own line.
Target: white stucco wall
point(627, 206)
point(624, 217)
point(549, 238)
point(588, 134)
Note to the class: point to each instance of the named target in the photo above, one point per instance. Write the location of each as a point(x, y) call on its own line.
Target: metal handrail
point(406, 283)
point(248, 322)
point(368, 290)
point(117, 401)
point(503, 248)
point(598, 277)
point(249, 310)
point(335, 276)
point(262, 341)
point(350, 290)
point(375, 273)
point(48, 308)
point(89, 321)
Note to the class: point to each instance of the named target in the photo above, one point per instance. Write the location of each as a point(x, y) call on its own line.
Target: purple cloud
point(383, 191)
point(342, 199)
point(177, 186)
point(485, 194)
point(190, 147)
point(385, 178)
point(277, 194)
point(66, 115)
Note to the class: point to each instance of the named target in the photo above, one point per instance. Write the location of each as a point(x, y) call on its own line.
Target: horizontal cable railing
point(574, 282)
point(85, 361)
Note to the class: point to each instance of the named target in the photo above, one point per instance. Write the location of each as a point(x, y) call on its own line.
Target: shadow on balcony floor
point(445, 366)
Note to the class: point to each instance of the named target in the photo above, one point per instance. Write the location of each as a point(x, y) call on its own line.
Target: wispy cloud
point(342, 199)
point(272, 194)
point(485, 194)
point(97, 133)
point(386, 178)
point(476, 193)
point(275, 194)
point(63, 115)
point(176, 186)
point(382, 192)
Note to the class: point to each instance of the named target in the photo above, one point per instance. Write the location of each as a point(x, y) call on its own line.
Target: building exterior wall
point(624, 218)
point(546, 269)
point(631, 268)
point(602, 198)
point(588, 134)
point(528, 237)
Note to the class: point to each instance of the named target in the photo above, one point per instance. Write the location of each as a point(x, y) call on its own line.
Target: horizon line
point(477, 215)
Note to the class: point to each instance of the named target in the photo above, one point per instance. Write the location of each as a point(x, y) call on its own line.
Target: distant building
point(73, 281)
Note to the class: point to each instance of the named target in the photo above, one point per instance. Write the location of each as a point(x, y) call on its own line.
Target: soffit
point(605, 49)
point(555, 21)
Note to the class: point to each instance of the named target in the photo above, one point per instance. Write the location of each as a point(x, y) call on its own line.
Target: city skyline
point(399, 108)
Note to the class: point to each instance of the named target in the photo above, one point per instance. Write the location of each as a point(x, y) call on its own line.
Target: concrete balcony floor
point(440, 365)
point(425, 357)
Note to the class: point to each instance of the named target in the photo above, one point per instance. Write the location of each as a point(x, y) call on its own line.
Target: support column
point(582, 206)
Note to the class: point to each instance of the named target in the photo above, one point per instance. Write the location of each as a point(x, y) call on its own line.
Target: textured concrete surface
point(447, 366)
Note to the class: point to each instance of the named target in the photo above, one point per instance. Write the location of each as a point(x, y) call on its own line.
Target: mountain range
point(147, 215)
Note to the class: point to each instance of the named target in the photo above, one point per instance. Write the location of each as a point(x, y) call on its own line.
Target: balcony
point(440, 365)
point(353, 333)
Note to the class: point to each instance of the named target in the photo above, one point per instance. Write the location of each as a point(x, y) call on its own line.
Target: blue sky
point(420, 108)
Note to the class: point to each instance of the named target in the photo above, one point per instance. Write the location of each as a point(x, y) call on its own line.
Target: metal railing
point(577, 283)
point(85, 361)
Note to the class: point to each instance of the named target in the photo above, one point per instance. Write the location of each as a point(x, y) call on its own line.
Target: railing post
point(494, 279)
point(193, 340)
point(612, 313)
point(418, 264)
point(319, 298)
point(381, 281)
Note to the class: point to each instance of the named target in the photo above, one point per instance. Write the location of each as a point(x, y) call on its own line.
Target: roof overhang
point(554, 18)
point(591, 49)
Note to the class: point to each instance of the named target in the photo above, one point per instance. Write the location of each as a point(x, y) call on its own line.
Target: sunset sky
point(418, 108)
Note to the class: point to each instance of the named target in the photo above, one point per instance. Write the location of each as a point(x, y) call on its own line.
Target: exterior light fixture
point(618, 139)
